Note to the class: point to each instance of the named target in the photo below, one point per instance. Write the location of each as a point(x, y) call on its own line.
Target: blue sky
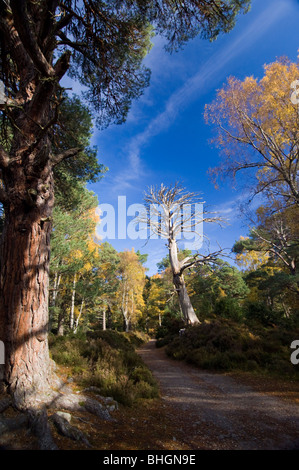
point(165, 138)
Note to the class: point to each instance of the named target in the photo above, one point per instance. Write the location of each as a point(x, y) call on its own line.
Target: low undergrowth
point(107, 360)
point(225, 345)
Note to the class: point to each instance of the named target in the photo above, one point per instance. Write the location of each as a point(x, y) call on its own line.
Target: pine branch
point(28, 38)
point(56, 159)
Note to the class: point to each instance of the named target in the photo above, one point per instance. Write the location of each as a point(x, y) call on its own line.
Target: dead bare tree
point(169, 215)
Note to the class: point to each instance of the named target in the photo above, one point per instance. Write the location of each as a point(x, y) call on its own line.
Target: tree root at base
point(37, 416)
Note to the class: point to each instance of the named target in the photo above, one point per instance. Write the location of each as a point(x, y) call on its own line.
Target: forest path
point(214, 411)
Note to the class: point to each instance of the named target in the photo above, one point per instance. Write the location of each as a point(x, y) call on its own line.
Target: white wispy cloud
point(201, 82)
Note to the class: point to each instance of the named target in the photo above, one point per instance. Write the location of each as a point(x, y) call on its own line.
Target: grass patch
point(107, 360)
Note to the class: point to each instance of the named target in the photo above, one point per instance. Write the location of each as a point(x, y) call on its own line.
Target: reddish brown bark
point(24, 257)
point(27, 194)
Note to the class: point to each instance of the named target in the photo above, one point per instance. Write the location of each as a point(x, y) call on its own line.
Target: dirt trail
point(217, 412)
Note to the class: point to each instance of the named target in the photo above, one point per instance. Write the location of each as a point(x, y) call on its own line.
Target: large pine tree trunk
point(24, 258)
point(27, 195)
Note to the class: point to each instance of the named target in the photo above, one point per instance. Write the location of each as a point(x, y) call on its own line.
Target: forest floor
point(198, 410)
point(226, 411)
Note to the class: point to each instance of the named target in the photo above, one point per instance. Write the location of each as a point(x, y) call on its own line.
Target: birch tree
point(131, 275)
point(256, 123)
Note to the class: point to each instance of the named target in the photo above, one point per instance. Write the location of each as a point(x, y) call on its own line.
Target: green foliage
point(230, 281)
point(67, 351)
point(169, 329)
point(69, 237)
point(218, 289)
point(228, 307)
point(107, 360)
point(226, 345)
point(119, 340)
point(113, 39)
point(74, 129)
point(142, 257)
point(260, 312)
point(179, 24)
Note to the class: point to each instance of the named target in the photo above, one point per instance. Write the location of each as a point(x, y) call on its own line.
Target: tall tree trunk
point(125, 313)
point(184, 299)
point(56, 284)
point(180, 286)
point(79, 316)
point(104, 319)
point(61, 322)
point(57, 280)
point(127, 325)
point(125, 309)
point(24, 258)
point(27, 194)
point(72, 314)
point(126, 320)
point(109, 317)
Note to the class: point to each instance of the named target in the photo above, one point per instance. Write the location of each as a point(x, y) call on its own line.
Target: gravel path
point(216, 412)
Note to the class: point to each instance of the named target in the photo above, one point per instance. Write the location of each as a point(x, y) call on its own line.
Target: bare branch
point(197, 259)
point(62, 64)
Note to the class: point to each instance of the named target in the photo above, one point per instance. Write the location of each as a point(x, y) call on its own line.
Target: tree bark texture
point(27, 194)
point(180, 286)
point(61, 323)
point(72, 313)
point(24, 258)
point(184, 299)
point(104, 319)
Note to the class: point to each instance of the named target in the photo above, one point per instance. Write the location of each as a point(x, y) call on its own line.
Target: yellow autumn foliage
point(257, 124)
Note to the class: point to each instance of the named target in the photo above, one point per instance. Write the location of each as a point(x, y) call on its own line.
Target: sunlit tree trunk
point(104, 319)
point(180, 286)
point(57, 280)
point(72, 313)
point(124, 307)
point(56, 284)
point(61, 322)
point(125, 312)
point(24, 257)
point(79, 316)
